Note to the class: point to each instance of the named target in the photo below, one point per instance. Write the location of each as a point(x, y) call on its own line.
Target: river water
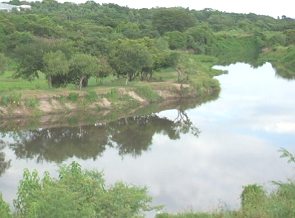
point(194, 159)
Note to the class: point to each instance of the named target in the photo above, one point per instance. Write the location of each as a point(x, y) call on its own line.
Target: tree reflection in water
point(4, 164)
point(132, 135)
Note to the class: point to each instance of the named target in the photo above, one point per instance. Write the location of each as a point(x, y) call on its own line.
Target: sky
point(272, 8)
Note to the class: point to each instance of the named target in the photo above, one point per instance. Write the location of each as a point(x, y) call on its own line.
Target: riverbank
point(38, 107)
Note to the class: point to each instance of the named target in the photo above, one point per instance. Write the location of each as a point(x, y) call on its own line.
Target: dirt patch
point(3, 110)
point(50, 106)
point(105, 103)
point(180, 86)
point(135, 96)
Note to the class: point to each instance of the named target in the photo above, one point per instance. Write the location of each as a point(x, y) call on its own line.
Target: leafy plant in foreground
point(78, 193)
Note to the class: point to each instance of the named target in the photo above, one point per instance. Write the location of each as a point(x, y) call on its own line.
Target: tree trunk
point(49, 82)
point(81, 82)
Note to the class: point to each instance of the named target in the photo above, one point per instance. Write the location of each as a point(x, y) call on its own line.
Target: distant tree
point(3, 63)
point(56, 68)
point(201, 39)
point(176, 40)
point(130, 30)
point(17, 39)
point(82, 67)
point(15, 2)
point(172, 19)
point(129, 58)
point(30, 58)
point(104, 68)
point(290, 36)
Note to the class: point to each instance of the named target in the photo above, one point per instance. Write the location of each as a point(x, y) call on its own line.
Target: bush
point(11, 99)
point(31, 102)
point(78, 193)
point(4, 209)
point(91, 96)
point(73, 96)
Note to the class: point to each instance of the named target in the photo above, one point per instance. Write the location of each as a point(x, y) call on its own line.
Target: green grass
point(147, 93)
point(9, 83)
point(283, 60)
point(73, 97)
point(12, 98)
point(31, 102)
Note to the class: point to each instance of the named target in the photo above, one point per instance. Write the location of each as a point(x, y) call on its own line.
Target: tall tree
point(172, 19)
point(30, 58)
point(129, 58)
point(3, 63)
point(56, 68)
point(82, 67)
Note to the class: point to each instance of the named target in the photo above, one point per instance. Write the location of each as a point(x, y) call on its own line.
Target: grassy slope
point(283, 60)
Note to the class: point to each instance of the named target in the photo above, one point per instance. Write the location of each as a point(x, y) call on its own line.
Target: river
point(194, 159)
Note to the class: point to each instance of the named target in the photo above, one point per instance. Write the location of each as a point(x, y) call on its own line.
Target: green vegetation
point(11, 99)
point(147, 93)
point(76, 193)
point(134, 44)
point(4, 208)
point(256, 202)
point(283, 60)
point(118, 53)
point(79, 193)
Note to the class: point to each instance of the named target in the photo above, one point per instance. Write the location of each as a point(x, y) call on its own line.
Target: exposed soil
point(56, 102)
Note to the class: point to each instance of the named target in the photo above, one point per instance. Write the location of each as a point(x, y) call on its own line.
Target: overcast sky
point(266, 7)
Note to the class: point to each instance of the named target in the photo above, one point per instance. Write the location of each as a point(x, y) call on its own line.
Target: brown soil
point(50, 102)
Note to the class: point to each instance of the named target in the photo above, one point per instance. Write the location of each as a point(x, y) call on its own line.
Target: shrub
point(91, 96)
point(11, 99)
point(4, 209)
point(78, 193)
point(147, 93)
point(31, 102)
point(73, 96)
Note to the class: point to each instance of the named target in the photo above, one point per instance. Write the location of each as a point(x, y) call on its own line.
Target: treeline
point(70, 42)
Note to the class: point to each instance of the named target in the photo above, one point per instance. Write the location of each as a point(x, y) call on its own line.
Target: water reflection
point(241, 134)
point(4, 164)
point(132, 135)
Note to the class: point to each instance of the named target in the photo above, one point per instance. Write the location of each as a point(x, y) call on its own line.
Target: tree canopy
point(108, 31)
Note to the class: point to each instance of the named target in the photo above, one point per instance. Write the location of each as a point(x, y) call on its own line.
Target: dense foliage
point(128, 42)
point(76, 193)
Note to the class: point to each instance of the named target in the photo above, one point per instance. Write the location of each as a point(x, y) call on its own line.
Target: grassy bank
point(283, 60)
point(21, 98)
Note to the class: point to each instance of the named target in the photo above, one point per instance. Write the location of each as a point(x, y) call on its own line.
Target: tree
point(176, 40)
point(172, 19)
point(104, 68)
point(201, 40)
point(78, 193)
point(3, 63)
point(15, 2)
point(82, 67)
point(130, 58)
point(56, 68)
point(30, 58)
